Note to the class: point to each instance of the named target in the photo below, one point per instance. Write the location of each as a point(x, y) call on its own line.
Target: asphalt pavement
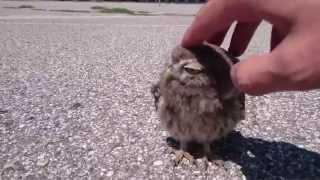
point(75, 101)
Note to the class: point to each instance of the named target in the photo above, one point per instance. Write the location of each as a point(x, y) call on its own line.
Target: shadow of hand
point(260, 159)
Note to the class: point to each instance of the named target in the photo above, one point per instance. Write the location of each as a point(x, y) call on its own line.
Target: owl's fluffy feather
point(199, 104)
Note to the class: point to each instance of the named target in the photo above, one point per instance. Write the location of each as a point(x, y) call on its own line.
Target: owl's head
point(205, 66)
point(186, 70)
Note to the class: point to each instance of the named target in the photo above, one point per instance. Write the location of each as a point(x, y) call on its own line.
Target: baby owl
point(196, 99)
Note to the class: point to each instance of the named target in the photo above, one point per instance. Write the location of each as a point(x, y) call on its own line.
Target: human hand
point(294, 60)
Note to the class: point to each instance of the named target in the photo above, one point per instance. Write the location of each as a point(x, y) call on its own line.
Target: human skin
point(294, 60)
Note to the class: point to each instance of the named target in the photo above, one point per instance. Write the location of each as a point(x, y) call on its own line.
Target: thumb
point(257, 75)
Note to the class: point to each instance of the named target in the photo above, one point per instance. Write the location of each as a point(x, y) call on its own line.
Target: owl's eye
point(192, 71)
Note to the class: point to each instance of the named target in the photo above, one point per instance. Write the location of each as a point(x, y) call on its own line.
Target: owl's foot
point(180, 151)
point(180, 154)
point(210, 156)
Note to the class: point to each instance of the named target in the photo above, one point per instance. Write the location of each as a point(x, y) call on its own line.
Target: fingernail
point(201, 9)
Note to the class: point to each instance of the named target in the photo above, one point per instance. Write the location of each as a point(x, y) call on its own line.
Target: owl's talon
point(206, 163)
point(219, 163)
point(180, 154)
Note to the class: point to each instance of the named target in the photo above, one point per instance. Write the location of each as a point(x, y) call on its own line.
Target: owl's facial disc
point(193, 68)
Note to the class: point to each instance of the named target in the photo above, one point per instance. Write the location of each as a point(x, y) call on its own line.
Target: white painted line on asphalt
point(95, 24)
point(9, 17)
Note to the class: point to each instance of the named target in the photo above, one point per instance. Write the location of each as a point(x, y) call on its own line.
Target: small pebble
point(157, 163)
point(249, 153)
point(42, 161)
point(244, 177)
point(8, 123)
point(197, 172)
point(110, 173)
point(76, 106)
point(3, 111)
point(121, 112)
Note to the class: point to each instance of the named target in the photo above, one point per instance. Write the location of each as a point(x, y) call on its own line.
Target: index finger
point(214, 17)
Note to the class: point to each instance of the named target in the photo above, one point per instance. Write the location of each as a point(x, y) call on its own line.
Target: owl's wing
point(235, 106)
point(241, 103)
point(155, 91)
point(241, 99)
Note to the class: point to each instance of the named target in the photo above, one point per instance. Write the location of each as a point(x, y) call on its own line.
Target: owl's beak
point(168, 74)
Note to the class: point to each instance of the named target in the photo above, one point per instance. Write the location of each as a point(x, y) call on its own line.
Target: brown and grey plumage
point(195, 97)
